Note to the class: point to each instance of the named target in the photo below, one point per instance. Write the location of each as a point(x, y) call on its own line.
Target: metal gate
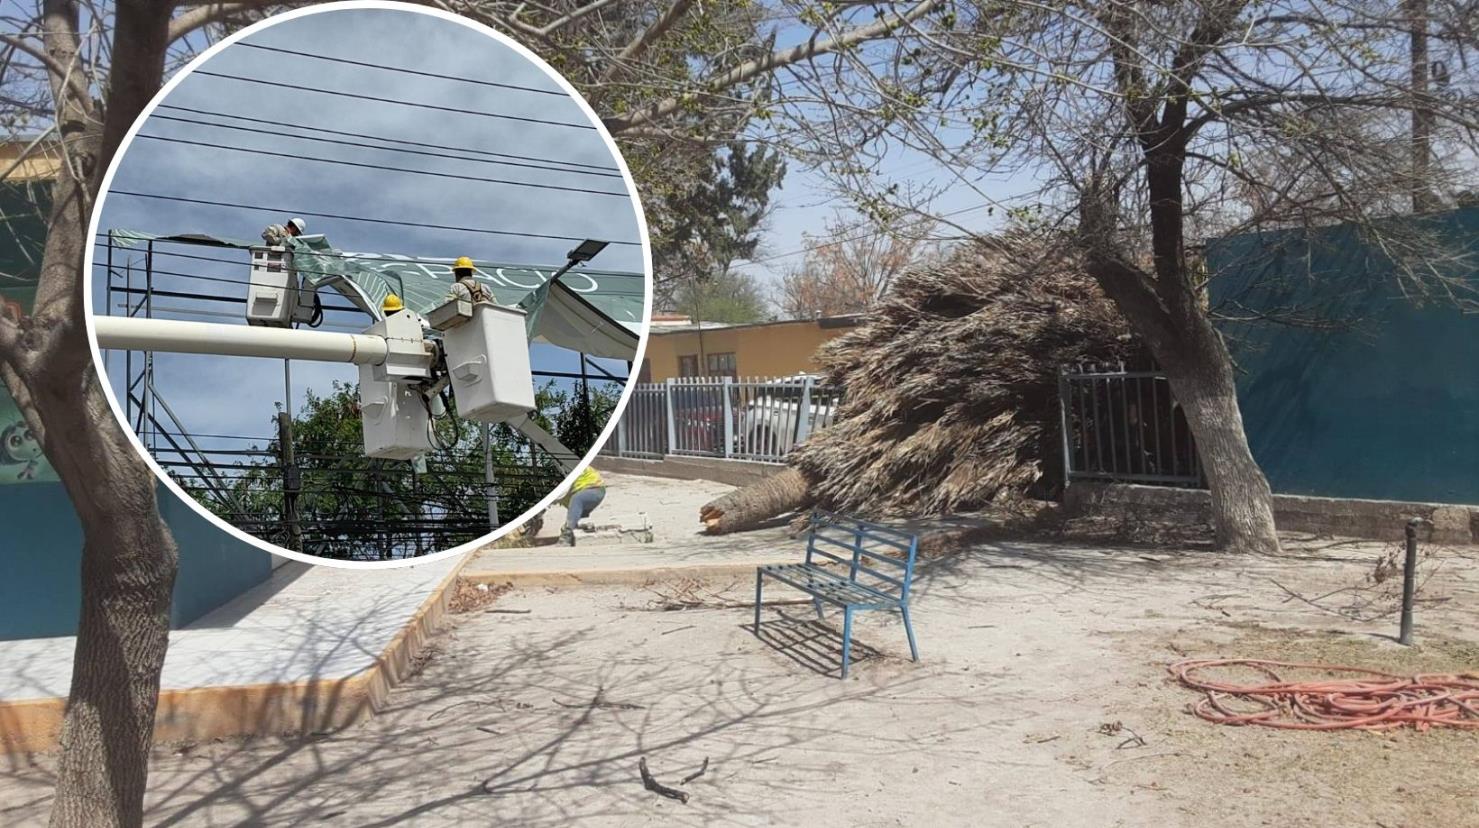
point(1125, 426)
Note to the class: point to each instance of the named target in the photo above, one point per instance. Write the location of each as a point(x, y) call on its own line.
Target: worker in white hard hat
point(279, 233)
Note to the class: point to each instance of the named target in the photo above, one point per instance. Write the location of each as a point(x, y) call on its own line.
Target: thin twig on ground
point(696, 774)
point(657, 787)
point(598, 704)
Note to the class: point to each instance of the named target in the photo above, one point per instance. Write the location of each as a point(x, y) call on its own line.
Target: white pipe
point(171, 336)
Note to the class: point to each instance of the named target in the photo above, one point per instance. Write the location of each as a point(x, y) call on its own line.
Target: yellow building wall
point(40, 165)
point(769, 350)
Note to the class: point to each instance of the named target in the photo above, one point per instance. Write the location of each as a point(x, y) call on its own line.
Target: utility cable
point(382, 167)
point(339, 217)
point(403, 70)
point(298, 87)
point(359, 257)
point(327, 131)
point(278, 134)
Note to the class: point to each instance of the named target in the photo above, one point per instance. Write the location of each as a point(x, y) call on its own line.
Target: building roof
point(667, 328)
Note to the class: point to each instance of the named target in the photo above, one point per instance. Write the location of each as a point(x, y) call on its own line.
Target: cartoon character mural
point(21, 460)
point(19, 446)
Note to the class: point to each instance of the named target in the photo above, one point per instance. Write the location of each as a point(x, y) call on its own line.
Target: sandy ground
point(1030, 653)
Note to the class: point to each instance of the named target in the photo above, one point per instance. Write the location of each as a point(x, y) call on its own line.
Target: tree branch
point(60, 72)
point(201, 16)
point(776, 60)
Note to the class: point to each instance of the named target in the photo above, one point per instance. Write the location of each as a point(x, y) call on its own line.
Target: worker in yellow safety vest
point(585, 494)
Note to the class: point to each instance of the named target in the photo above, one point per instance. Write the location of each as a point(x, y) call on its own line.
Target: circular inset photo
point(367, 282)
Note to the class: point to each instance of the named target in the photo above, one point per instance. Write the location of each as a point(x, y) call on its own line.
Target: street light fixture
point(583, 252)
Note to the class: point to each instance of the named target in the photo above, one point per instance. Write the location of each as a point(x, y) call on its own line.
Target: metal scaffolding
point(336, 505)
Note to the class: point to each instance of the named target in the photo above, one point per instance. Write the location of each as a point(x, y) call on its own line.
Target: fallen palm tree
point(950, 390)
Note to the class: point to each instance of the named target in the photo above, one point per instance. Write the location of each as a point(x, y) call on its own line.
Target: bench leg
point(759, 577)
point(846, 638)
point(909, 630)
point(818, 603)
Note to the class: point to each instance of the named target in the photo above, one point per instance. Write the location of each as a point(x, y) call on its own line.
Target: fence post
point(728, 418)
point(672, 427)
point(1409, 582)
point(803, 413)
point(1063, 393)
point(621, 424)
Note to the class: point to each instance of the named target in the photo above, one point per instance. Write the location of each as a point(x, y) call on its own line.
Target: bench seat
point(830, 586)
point(852, 564)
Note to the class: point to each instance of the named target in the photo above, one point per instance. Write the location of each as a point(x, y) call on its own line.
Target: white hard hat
point(297, 224)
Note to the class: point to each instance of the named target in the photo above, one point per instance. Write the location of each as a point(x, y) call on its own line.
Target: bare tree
point(847, 269)
point(75, 75)
point(1135, 122)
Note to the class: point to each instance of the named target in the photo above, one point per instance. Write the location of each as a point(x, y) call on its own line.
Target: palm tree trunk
point(756, 503)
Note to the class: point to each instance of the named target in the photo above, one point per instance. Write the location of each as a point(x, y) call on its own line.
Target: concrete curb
point(619, 576)
point(195, 714)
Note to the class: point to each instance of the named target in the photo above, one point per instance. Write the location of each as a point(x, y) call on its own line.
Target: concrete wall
point(728, 472)
point(41, 556)
point(774, 349)
point(1352, 518)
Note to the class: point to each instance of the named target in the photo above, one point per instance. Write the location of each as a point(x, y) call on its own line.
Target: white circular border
point(159, 97)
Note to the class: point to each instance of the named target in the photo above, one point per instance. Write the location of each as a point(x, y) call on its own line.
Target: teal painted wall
point(1385, 407)
point(40, 560)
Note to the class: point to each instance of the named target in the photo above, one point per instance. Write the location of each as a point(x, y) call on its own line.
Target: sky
point(806, 201)
point(233, 396)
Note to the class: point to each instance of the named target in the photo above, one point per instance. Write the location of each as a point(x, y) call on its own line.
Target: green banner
point(594, 311)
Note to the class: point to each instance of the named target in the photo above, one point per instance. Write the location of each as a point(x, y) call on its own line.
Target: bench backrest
point(878, 557)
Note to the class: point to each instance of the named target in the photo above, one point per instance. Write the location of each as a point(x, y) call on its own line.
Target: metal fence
point(743, 419)
point(1126, 426)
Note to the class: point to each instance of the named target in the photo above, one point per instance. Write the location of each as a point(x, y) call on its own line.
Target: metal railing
point(1126, 426)
point(744, 419)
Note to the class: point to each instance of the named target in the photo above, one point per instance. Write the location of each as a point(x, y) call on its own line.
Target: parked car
point(771, 423)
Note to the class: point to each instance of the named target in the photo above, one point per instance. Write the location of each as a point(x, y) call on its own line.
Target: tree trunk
point(756, 503)
point(1202, 381)
point(1199, 368)
point(128, 557)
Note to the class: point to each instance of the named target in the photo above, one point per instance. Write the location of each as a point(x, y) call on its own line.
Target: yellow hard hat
point(392, 303)
point(463, 263)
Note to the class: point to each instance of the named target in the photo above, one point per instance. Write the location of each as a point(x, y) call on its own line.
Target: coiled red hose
point(1371, 700)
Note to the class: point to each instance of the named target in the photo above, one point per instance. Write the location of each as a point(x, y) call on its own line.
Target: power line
point(297, 87)
point(384, 168)
point(359, 257)
point(326, 130)
point(403, 70)
point(339, 217)
point(420, 153)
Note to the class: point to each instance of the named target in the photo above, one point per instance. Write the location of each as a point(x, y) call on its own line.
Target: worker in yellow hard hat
point(585, 494)
point(391, 304)
point(465, 272)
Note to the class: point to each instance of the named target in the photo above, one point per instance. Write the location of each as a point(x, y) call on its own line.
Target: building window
point(722, 365)
point(688, 365)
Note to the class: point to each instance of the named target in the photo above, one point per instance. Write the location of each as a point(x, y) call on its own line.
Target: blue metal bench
point(852, 564)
